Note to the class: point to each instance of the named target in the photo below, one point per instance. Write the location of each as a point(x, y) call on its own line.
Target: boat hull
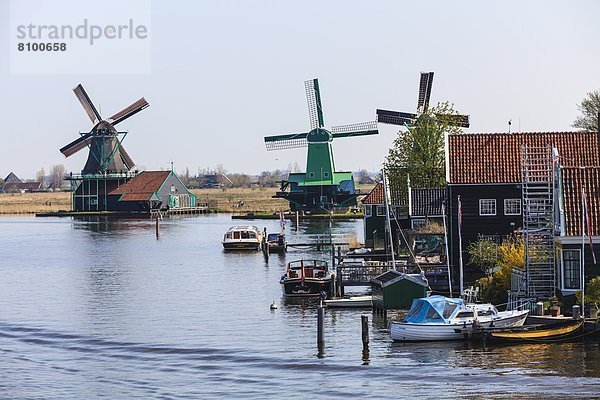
point(413, 332)
point(540, 333)
point(356, 301)
point(309, 288)
point(252, 246)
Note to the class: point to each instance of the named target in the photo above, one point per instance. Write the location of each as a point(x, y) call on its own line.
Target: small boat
point(276, 243)
point(443, 318)
point(353, 301)
point(246, 237)
point(537, 333)
point(307, 278)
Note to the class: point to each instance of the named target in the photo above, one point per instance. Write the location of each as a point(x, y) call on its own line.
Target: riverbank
point(228, 200)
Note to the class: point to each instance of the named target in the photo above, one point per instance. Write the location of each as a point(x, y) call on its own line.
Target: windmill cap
point(319, 135)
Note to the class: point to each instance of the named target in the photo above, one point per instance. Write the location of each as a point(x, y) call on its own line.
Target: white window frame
point(481, 202)
point(421, 222)
point(311, 174)
point(562, 270)
point(380, 211)
point(368, 210)
point(326, 174)
point(506, 205)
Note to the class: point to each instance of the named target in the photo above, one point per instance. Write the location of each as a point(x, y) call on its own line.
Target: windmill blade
point(76, 145)
point(425, 91)
point(127, 112)
point(129, 164)
point(455, 119)
point(87, 104)
point(282, 142)
point(360, 129)
point(313, 98)
point(395, 117)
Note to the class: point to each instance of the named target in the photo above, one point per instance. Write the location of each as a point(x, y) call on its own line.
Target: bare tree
point(589, 108)
point(41, 176)
point(57, 176)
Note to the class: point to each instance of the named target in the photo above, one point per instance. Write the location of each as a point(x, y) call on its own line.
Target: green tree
point(592, 292)
point(483, 254)
point(509, 255)
point(589, 108)
point(418, 152)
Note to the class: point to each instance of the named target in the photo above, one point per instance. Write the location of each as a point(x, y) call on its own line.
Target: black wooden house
point(486, 171)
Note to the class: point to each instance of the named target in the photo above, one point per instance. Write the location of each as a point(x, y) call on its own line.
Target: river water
point(104, 309)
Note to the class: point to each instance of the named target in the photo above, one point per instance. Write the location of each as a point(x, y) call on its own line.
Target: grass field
point(29, 203)
point(237, 200)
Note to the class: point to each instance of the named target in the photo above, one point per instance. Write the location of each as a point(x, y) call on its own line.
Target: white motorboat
point(246, 237)
point(443, 318)
point(353, 301)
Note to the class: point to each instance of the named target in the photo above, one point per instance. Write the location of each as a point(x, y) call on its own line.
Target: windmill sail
point(395, 117)
point(313, 98)
point(128, 111)
point(283, 142)
point(360, 129)
point(87, 104)
point(425, 91)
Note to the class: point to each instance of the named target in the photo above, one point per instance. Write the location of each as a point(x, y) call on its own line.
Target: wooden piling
point(297, 220)
point(157, 227)
point(365, 330)
point(320, 325)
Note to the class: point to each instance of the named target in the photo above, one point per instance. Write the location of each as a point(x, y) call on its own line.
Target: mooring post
point(157, 227)
point(365, 338)
point(264, 245)
point(297, 219)
point(320, 322)
point(365, 330)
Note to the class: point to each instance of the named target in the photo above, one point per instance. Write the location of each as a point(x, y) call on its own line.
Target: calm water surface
point(102, 309)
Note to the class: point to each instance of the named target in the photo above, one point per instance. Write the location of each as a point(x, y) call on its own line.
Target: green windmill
point(321, 187)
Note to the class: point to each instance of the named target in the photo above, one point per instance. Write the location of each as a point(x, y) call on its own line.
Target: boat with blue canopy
point(444, 318)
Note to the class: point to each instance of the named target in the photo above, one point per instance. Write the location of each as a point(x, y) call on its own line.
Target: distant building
point(12, 184)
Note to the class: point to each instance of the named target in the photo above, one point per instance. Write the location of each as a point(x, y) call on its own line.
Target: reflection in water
point(102, 308)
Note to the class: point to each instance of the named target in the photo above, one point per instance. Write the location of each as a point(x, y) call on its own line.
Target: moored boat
point(443, 318)
point(538, 333)
point(307, 278)
point(276, 243)
point(245, 237)
point(353, 301)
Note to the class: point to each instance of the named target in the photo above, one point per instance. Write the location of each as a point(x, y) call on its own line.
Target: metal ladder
point(538, 220)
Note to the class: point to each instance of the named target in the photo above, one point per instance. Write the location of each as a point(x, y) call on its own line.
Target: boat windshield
point(449, 309)
point(434, 309)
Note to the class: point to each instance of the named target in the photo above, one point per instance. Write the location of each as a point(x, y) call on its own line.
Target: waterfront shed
point(396, 290)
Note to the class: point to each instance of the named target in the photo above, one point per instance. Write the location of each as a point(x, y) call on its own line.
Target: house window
point(493, 238)
point(325, 174)
point(368, 210)
point(487, 206)
point(417, 223)
point(380, 211)
point(311, 174)
point(571, 269)
point(512, 206)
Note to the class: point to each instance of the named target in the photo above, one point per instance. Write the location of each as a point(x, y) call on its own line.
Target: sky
point(224, 74)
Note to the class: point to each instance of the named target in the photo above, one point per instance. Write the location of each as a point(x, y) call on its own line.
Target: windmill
point(108, 163)
point(320, 187)
point(403, 118)
point(107, 154)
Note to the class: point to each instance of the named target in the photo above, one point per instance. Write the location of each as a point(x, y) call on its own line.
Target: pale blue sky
point(225, 74)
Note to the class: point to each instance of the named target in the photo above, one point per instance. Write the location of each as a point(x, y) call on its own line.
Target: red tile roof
point(573, 180)
point(496, 157)
point(375, 196)
point(142, 187)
